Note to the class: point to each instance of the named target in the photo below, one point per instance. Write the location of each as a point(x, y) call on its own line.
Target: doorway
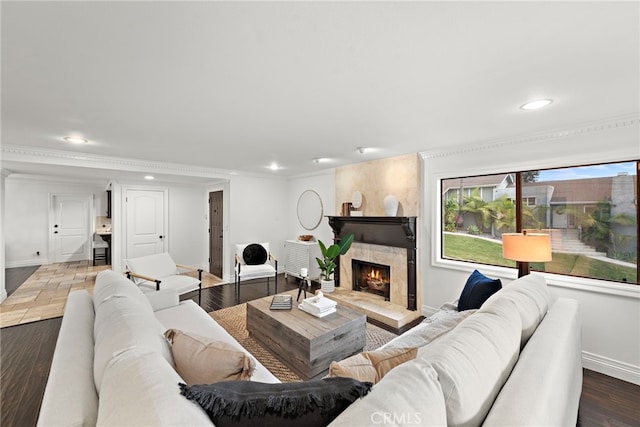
point(145, 222)
point(216, 209)
point(70, 227)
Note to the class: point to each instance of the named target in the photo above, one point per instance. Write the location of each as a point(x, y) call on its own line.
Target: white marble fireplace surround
point(393, 313)
point(395, 258)
point(381, 240)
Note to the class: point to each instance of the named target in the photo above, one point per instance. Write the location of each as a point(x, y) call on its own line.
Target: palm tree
point(597, 226)
point(476, 205)
point(504, 215)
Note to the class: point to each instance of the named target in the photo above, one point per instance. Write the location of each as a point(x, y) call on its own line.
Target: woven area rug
point(233, 319)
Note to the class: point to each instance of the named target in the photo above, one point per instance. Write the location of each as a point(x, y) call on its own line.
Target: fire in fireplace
point(371, 277)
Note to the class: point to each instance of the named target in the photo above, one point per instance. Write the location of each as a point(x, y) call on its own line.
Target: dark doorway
point(216, 204)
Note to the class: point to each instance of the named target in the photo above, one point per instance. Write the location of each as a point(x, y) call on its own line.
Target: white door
point(145, 222)
point(70, 231)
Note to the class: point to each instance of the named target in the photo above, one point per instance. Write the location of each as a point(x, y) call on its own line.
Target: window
point(591, 213)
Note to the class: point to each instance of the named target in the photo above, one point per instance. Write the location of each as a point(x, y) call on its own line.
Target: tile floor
point(44, 294)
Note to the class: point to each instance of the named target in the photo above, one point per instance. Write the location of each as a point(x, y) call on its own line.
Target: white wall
point(26, 228)
point(187, 225)
point(610, 311)
point(322, 183)
point(3, 286)
point(258, 213)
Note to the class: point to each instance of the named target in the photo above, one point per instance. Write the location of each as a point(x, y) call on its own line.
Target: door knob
point(161, 237)
point(55, 232)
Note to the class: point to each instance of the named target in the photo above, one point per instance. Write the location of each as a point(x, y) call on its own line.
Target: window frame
point(578, 282)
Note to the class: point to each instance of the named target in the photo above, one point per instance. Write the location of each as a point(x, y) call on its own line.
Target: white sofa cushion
point(141, 389)
point(474, 360)
point(531, 297)
point(64, 404)
point(251, 271)
point(163, 299)
point(110, 284)
point(121, 325)
point(544, 387)
point(188, 317)
point(409, 394)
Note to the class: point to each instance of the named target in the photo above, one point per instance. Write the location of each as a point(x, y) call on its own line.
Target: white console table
point(299, 254)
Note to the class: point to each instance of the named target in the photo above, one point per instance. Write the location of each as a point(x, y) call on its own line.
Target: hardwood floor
point(26, 352)
point(14, 277)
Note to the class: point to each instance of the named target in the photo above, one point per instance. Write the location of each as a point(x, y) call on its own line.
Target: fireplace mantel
point(397, 231)
point(385, 231)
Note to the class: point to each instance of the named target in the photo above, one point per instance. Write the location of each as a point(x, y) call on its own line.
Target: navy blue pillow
point(477, 290)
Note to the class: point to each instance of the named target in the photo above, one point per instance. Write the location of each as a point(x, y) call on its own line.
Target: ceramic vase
point(391, 205)
point(327, 286)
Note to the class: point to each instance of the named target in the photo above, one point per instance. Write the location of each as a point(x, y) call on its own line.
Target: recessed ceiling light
point(149, 177)
point(274, 166)
point(75, 140)
point(534, 105)
point(320, 160)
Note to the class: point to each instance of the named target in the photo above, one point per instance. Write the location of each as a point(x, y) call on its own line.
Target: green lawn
point(466, 248)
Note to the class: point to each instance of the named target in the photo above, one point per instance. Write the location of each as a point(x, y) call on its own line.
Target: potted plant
point(327, 263)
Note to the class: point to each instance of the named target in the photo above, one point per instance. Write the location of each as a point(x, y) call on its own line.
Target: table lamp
point(525, 248)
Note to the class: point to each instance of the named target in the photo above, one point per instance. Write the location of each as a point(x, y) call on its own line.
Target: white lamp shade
point(529, 247)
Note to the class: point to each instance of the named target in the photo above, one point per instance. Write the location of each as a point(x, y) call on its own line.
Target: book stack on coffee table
point(318, 306)
point(281, 302)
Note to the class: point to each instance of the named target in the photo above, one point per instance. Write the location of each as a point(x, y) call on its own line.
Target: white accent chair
point(159, 271)
point(248, 267)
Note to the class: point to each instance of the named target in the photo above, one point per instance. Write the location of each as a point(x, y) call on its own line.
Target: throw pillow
point(477, 290)
point(254, 254)
point(372, 366)
point(250, 403)
point(199, 360)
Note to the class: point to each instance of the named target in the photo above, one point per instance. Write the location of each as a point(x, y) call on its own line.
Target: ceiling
point(235, 86)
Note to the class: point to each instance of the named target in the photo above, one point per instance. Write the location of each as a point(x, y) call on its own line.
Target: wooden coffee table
point(305, 343)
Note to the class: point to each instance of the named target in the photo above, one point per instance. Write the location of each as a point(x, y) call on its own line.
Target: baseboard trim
point(613, 368)
point(26, 263)
point(3, 295)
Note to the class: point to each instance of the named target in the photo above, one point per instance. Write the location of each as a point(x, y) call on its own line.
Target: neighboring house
point(557, 204)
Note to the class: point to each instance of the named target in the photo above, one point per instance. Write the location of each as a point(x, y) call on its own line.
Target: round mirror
point(309, 210)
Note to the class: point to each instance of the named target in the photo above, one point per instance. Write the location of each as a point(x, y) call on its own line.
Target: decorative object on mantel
point(390, 205)
point(305, 237)
point(356, 202)
point(328, 262)
point(346, 209)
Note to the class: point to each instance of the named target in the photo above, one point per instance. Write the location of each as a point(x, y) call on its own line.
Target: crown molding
point(606, 125)
point(76, 159)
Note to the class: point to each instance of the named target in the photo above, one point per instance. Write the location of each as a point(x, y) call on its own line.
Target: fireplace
point(387, 241)
point(371, 277)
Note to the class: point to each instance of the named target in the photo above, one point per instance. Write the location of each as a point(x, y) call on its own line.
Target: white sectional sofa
point(111, 345)
point(511, 363)
point(514, 362)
